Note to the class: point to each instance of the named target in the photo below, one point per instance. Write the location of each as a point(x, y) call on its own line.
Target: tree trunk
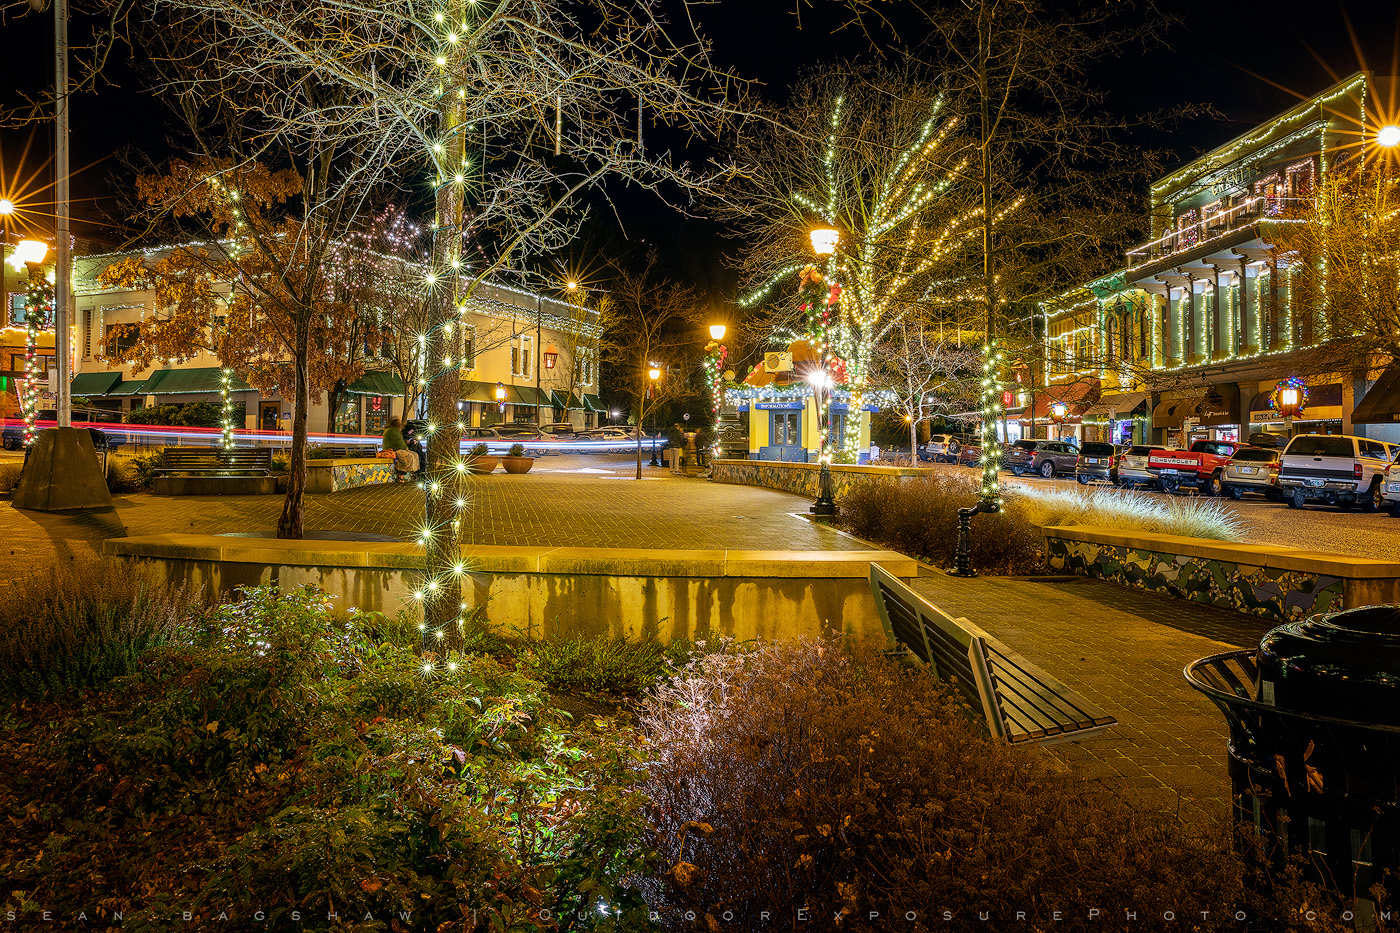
point(293, 506)
point(333, 397)
point(913, 440)
point(641, 414)
point(444, 505)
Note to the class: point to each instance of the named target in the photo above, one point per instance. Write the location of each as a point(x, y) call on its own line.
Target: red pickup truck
point(1199, 468)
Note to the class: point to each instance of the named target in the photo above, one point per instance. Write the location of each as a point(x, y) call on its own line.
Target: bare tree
point(1341, 244)
point(647, 317)
point(877, 156)
point(928, 368)
point(511, 109)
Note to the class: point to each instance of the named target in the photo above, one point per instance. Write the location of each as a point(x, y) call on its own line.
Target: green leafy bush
point(287, 759)
point(132, 472)
point(517, 450)
point(201, 414)
point(585, 664)
point(153, 414)
point(317, 452)
point(920, 518)
point(79, 623)
point(479, 450)
point(804, 777)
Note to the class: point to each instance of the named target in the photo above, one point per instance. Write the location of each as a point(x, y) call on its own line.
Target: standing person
point(405, 460)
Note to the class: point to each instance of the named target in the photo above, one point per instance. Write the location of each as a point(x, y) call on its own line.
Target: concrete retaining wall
point(1277, 583)
point(545, 591)
point(801, 478)
point(206, 485)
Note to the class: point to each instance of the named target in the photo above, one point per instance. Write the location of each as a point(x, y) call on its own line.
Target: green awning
point(484, 392)
point(380, 384)
point(560, 401)
point(182, 381)
point(94, 383)
point(527, 395)
point(130, 387)
point(593, 403)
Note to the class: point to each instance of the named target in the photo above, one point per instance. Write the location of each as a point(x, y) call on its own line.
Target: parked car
point(944, 448)
point(1048, 458)
point(970, 454)
point(624, 435)
point(560, 429)
point(1096, 460)
point(1339, 469)
point(1252, 469)
point(1200, 467)
point(1134, 468)
point(12, 436)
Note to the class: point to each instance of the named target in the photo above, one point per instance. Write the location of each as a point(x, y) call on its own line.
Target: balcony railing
point(1212, 226)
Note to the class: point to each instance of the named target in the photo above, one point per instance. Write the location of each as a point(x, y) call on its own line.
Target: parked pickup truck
point(1198, 468)
point(1339, 469)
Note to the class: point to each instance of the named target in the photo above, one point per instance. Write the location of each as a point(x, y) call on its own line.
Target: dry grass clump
point(1126, 510)
point(82, 622)
point(132, 472)
point(802, 777)
point(919, 517)
point(9, 475)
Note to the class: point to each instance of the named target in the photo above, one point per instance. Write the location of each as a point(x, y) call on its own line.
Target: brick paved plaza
point(1121, 649)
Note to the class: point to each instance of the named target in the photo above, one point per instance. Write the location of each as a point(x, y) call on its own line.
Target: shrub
point(585, 664)
point(9, 475)
point(479, 450)
point(82, 622)
point(317, 452)
point(920, 517)
point(517, 450)
point(153, 414)
point(287, 759)
point(201, 414)
point(800, 776)
point(1126, 510)
point(132, 472)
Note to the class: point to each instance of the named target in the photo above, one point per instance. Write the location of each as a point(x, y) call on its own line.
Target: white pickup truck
point(1337, 469)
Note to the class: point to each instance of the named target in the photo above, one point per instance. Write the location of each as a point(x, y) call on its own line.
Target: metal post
point(62, 260)
point(539, 327)
point(653, 443)
point(962, 558)
point(825, 504)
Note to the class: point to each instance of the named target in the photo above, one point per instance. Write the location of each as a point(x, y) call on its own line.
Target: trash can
point(1314, 749)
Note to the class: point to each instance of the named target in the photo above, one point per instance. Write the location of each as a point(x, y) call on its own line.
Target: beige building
point(539, 351)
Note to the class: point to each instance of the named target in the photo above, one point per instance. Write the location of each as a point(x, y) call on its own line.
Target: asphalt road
point(1315, 527)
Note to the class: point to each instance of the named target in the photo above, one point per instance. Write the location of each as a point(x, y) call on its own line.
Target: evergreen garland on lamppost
point(38, 310)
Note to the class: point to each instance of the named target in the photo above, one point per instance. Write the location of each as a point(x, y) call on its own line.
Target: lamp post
point(715, 355)
point(501, 398)
point(7, 207)
point(30, 254)
point(653, 374)
point(824, 243)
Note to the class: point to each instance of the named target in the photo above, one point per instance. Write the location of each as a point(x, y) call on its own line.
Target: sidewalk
point(1124, 651)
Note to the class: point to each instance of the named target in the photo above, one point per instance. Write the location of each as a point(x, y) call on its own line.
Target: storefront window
point(347, 416)
point(376, 414)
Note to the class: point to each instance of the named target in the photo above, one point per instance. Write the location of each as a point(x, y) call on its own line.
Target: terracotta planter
point(517, 464)
point(480, 466)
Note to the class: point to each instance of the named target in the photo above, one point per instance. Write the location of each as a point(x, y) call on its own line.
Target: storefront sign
point(780, 406)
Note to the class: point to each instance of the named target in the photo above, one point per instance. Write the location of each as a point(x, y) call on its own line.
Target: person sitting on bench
point(405, 460)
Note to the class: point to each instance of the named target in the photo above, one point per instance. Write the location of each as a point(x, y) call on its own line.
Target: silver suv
point(1132, 467)
point(1338, 469)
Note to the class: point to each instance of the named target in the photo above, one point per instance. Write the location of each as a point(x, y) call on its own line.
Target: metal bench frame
point(1019, 701)
point(257, 460)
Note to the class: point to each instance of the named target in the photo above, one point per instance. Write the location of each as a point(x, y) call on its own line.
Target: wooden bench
point(240, 461)
point(1020, 702)
point(346, 452)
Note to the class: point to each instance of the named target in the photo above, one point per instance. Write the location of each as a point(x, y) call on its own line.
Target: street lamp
point(824, 241)
point(717, 331)
point(1388, 136)
point(653, 374)
point(825, 504)
point(501, 396)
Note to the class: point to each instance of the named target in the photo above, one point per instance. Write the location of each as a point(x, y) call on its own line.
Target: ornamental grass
point(1127, 510)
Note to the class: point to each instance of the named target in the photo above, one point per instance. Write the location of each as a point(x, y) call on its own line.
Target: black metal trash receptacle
point(1314, 751)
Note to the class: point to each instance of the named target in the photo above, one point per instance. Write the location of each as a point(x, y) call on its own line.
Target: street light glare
point(1388, 136)
point(824, 241)
point(716, 331)
point(572, 285)
point(655, 374)
point(27, 251)
point(7, 206)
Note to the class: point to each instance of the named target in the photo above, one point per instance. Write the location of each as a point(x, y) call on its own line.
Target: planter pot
point(517, 464)
point(480, 466)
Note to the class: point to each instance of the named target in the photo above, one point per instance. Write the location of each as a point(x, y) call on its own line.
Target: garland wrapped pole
point(38, 310)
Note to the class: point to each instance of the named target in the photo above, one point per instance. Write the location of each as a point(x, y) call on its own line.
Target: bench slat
point(1021, 702)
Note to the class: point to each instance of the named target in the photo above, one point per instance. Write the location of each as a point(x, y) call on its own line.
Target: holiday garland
point(38, 311)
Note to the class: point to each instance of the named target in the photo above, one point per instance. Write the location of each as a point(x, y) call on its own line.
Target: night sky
point(1218, 55)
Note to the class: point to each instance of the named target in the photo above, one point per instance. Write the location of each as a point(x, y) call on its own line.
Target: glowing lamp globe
point(27, 251)
point(824, 241)
point(1288, 398)
point(7, 207)
point(551, 356)
point(654, 374)
point(716, 331)
point(500, 392)
point(1388, 136)
point(1058, 412)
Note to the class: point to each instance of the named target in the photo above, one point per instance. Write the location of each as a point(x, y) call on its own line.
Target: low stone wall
point(544, 591)
point(208, 485)
point(335, 475)
point(1279, 583)
point(801, 478)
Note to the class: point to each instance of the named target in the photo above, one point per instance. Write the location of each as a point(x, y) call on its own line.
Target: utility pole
point(539, 328)
point(63, 260)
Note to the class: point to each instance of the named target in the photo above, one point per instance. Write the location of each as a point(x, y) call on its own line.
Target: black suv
point(1048, 458)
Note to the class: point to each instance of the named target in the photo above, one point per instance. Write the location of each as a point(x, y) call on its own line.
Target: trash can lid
point(1346, 665)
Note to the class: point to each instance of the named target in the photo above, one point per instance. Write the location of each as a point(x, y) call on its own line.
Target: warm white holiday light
point(1388, 136)
point(824, 241)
